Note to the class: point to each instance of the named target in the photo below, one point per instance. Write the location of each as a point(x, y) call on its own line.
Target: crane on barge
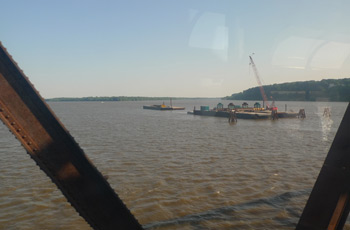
point(262, 91)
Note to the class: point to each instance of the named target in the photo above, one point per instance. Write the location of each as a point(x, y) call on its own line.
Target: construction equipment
point(262, 91)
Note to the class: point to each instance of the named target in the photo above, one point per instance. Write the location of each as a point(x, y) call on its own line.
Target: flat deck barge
point(243, 113)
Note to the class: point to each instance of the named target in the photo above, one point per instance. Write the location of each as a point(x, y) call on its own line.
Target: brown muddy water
point(178, 171)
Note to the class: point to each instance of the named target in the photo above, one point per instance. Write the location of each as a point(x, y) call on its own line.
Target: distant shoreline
point(324, 90)
point(123, 98)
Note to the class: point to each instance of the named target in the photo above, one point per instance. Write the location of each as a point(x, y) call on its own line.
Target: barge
point(245, 112)
point(162, 107)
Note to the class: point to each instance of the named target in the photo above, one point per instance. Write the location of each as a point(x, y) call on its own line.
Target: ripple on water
point(176, 171)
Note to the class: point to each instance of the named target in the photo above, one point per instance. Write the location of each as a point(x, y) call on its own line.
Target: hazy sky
point(178, 48)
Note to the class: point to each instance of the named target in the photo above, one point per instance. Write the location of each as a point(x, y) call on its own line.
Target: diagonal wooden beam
point(328, 205)
point(51, 146)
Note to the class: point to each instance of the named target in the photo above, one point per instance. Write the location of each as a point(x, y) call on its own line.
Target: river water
point(178, 171)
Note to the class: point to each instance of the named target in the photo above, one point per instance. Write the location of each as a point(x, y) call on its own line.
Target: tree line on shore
point(324, 90)
point(117, 98)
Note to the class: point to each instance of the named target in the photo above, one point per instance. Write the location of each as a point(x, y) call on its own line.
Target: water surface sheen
point(178, 171)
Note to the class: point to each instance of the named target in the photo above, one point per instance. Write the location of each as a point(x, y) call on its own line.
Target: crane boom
point(262, 91)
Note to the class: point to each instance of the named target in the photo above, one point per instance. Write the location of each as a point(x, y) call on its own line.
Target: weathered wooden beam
point(328, 205)
point(51, 146)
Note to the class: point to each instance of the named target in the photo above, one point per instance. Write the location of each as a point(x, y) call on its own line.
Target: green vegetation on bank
point(324, 90)
point(119, 98)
